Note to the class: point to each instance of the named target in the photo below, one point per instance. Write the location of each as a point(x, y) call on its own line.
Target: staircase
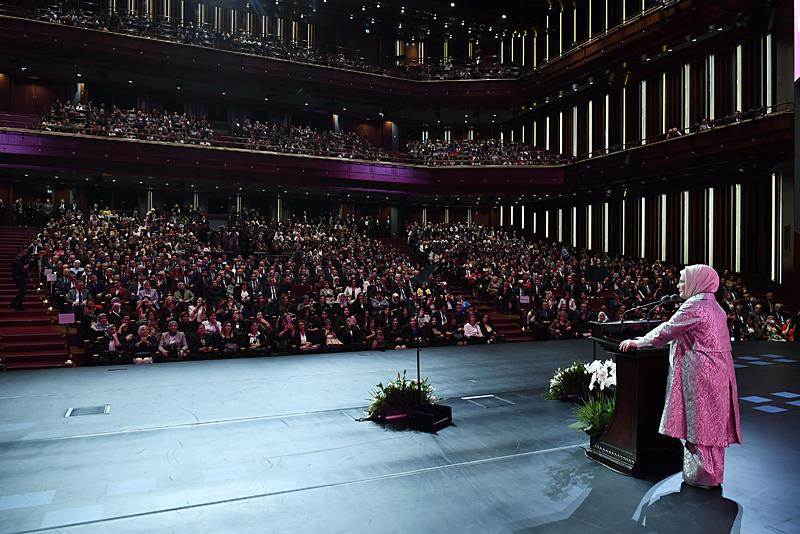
point(506, 325)
point(30, 338)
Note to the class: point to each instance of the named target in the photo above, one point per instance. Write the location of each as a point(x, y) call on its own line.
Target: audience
point(268, 45)
point(479, 152)
point(170, 286)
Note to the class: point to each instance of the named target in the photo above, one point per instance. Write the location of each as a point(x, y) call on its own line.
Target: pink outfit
point(702, 398)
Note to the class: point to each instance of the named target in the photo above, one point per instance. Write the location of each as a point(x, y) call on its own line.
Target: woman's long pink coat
point(702, 400)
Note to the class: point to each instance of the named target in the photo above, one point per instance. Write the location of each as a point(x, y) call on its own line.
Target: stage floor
point(271, 445)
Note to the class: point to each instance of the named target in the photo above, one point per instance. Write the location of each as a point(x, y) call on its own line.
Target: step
point(20, 366)
point(17, 322)
point(12, 338)
point(42, 356)
point(39, 347)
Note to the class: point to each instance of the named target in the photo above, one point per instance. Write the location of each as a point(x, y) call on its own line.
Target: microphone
point(666, 299)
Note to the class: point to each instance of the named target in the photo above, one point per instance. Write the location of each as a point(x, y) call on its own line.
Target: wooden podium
point(631, 444)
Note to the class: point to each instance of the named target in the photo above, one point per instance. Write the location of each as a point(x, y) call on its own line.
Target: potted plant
point(570, 384)
point(394, 401)
point(594, 414)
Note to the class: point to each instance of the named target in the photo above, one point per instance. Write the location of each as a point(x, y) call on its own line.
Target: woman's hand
point(628, 344)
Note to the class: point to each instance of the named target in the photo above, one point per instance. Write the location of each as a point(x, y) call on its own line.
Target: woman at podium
point(701, 406)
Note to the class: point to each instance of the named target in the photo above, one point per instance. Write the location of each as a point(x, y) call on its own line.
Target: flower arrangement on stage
point(400, 396)
point(568, 384)
point(595, 413)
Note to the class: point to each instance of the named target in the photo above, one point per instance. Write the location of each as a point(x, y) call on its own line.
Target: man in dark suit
point(19, 273)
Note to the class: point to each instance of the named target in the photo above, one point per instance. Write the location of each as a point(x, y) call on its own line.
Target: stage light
point(503, 16)
point(452, 4)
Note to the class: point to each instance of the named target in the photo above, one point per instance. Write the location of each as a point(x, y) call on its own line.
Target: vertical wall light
point(710, 228)
point(522, 217)
point(589, 18)
point(687, 98)
point(606, 126)
point(447, 215)
point(560, 132)
point(424, 216)
point(280, 209)
point(685, 227)
point(560, 225)
point(624, 113)
point(512, 215)
point(547, 133)
point(535, 48)
point(663, 217)
point(642, 226)
point(522, 48)
point(547, 224)
point(149, 199)
point(574, 131)
point(547, 37)
point(768, 73)
point(605, 226)
point(560, 30)
point(523, 134)
point(738, 77)
point(469, 216)
point(502, 215)
point(711, 87)
point(623, 227)
point(513, 48)
point(643, 111)
point(776, 255)
point(663, 102)
point(502, 51)
point(574, 226)
point(591, 128)
point(736, 197)
point(533, 221)
point(589, 227)
point(195, 201)
point(535, 133)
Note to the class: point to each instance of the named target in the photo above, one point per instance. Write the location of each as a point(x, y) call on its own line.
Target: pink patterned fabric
point(701, 405)
point(703, 466)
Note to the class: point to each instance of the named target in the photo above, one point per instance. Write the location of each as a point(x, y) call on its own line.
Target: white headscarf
point(699, 279)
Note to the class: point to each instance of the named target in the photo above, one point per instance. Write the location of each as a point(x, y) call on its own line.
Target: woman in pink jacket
point(701, 406)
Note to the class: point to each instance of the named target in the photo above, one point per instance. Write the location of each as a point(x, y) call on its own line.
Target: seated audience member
point(229, 341)
point(351, 334)
point(561, 327)
point(379, 343)
point(143, 346)
point(772, 332)
point(202, 344)
point(472, 332)
point(255, 342)
point(488, 330)
point(394, 335)
point(543, 319)
point(76, 298)
point(173, 345)
point(304, 340)
point(432, 332)
point(211, 324)
point(788, 329)
point(332, 341)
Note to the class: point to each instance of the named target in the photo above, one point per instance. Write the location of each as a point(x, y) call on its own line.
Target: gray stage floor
point(271, 445)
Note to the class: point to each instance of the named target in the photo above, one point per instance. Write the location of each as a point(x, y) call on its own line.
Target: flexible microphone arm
point(664, 300)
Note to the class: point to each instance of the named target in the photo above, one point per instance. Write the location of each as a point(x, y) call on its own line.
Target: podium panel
point(631, 444)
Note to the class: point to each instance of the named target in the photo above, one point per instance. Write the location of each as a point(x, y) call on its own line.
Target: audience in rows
point(169, 286)
point(266, 45)
point(558, 290)
point(257, 287)
point(479, 152)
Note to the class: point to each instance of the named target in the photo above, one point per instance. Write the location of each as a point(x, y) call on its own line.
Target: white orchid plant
point(603, 375)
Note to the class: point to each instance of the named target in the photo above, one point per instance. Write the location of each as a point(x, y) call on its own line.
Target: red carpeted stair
point(507, 325)
point(29, 338)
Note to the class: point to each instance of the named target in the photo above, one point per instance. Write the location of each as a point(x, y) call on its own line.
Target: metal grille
point(89, 410)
